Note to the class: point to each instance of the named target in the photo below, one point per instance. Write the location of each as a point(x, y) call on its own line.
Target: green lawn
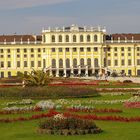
point(111, 130)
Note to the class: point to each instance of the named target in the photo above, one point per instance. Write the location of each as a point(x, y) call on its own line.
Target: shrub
point(114, 74)
point(35, 78)
point(127, 81)
point(68, 126)
point(47, 92)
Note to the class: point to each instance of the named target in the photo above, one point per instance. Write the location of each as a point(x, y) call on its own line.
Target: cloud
point(14, 4)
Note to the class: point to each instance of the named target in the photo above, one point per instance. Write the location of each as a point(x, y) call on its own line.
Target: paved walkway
point(133, 79)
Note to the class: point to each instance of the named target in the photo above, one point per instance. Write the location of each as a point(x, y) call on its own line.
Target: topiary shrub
point(59, 125)
point(127, 81)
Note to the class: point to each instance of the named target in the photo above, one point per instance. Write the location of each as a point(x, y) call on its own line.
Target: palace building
point(70, 51)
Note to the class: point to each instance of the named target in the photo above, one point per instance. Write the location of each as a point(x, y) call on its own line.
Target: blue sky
point(30, 16)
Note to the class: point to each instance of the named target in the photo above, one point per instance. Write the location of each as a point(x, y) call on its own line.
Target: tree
point(114, 74)
point(35, 78)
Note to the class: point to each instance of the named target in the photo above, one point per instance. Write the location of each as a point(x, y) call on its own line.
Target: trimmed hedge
point(47, 92)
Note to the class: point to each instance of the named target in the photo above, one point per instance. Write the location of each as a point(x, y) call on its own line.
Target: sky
point(31, 16)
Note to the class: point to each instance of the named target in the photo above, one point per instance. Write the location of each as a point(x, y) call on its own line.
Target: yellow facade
point(71, 51)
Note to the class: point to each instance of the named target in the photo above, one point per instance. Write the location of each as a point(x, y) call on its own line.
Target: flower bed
point(132, 104)
point(52, 113)
point(60, 125)
point(103, 118)
point(74, 109)
point(22, 102)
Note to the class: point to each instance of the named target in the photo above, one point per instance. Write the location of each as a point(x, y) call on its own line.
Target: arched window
point(88, 38)
point(53, 63)
point(96, 62)
point(82, 62)
point(67, 63)
point(105, 62)
point(75, 63)
point(60, 63)
point(60, 38)
point(95, 38)
point(53, 38)
point(67, 38)
point(74, 38)
point(89, 62)
point(81, 38)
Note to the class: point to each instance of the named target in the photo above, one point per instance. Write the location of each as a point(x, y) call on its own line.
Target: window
point(116, 62)
point(116, 54)
point(44, 49)
point(25, 56)
point(9, 56)
point(82, 62)
point(60, 38)
point(1, 56)
point(67, 38)
point(108, 49)
point(32, 63)
point(60, 49)
point(18, 50)
point(115, 49)
point(81, 38)
point(39, 63)
point(39, 50)
point(18, 56)
point(53, 63)
point(25, 72)
point(60, 63)
point(129, 72)
point(122, 62)
point(25, 63)
point(88, 38)
point(129, 48)
point(9, 64)
point(138, 61)
point(18, 64)
point(81, 49)
point(75, 63)
point(32, 50)
point(138, 48)
point(109, 62)
point(18, 73)
point(89, 62)
point(89, 49)
point(53, 38)
point(74, 49)
point(9, 74)
point(96, 62)
point(95, 38)
point(108, 54)
point(1, 50)
point(129, 62)
point(122, 49)
point(95, 49)
point(2, 74)
point(129, 54)
point(53, 49)
point(39, 55)
point(105, 63)
point(67, 63)
point(67, 49)
point(32, 55)
point(8, 50)
point(122, 54)
point(25, 50)
point(2, 64)
point(74, 38)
